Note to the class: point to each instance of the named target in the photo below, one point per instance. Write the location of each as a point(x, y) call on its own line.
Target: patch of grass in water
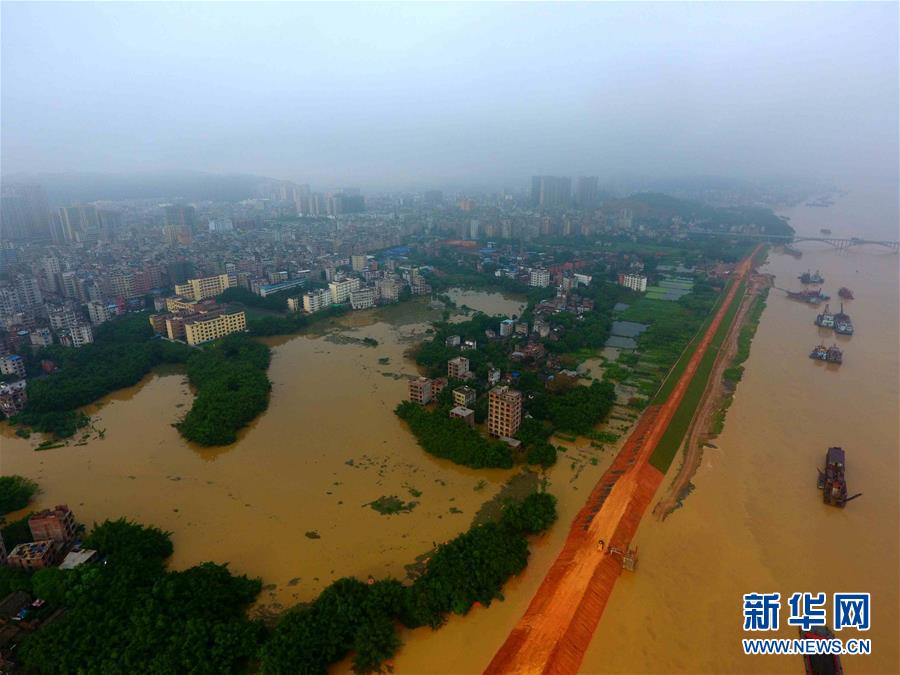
point(389, 505)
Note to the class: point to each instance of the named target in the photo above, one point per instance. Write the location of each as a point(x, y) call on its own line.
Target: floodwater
point(490, 303)
point(288, 501)
point(755, 521)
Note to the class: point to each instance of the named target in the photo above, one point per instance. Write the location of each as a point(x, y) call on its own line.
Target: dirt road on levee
point(558, 625)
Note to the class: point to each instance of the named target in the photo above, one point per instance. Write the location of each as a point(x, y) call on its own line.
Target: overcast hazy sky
point(383, 94)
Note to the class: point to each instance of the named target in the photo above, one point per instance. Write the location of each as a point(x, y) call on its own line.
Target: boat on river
point(831, 480)
point(842, 323)
point(812, 296)
point(825, 319)
point(845, 293)
point(814, 278)
point(820, 664)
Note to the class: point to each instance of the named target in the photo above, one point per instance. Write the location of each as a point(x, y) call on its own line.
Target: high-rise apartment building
point(551, 191)
point(362, 298)
point(205, 328)
point(636, 282)
point(341, 289)
point(359, 262)
point(539, 278)
point(504, 411)
point(316, 300)
point(206, 287)
point(23, 212)
point(587, 192)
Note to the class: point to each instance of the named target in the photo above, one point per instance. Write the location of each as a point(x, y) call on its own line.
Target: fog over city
point(388, 95)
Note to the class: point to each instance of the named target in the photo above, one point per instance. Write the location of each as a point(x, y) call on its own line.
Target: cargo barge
point(811, 296)
point(831, 480)
point(814, 278)
point(825, 319)
point(832, 354)
point(820, 664)
point(790, 250)
point(842, 323)
point(845, 293)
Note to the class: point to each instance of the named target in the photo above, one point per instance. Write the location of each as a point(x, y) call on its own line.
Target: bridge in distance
point(837, 242)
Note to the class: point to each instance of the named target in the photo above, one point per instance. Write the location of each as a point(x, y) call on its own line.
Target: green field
point(674, 435)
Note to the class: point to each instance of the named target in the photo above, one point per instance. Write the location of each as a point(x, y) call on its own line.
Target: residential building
point(464, 396)
point(587, 192)
point(551, 191)
point(457, 368)
point(56, 524)
point(41, 337)
point(98, 312)
point(34, 555)
point(204, 328)
point(363, 298)
point(539, 278)
point(420, 390)
point(76, 336)
point(359, 262)
point(493, 376)
point(316, 300)
point(206, 287)
point(13, 397)
point(295, 304)
point(437, 386)
point(386, 290)
point(341, 289)
point(504, 411)
point(452, 341)
point(636, 282)
point(12, 365)
point(506, 327)
point(465, 414)
point(266, 290)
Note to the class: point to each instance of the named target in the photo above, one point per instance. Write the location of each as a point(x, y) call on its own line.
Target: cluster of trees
point(434, 354)
point(232, 389)
point(453, 439)
point(291, 323)
point(352, 616)
point(15, 493)
point(122, 353)
point(129, 614)
point(276, 302)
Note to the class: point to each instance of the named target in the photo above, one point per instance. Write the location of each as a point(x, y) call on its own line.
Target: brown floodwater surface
point(327, 446)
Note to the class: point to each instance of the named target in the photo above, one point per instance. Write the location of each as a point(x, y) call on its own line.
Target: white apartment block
point(206, 287)
point(636, 282)
point(363, 298)
point(340, 290)
point(539, 278)
point(316, 300)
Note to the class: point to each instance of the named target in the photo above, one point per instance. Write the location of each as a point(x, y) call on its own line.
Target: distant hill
point(654, 208)
point(71, 188)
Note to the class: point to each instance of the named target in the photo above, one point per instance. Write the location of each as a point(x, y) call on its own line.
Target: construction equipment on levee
point(820, 664)
point(814, 278)
point(629, 557)
point(831, 480)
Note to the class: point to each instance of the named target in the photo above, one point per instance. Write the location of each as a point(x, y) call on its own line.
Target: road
point(558, 625)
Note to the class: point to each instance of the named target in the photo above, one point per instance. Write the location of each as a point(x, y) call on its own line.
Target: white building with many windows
point(316, 300)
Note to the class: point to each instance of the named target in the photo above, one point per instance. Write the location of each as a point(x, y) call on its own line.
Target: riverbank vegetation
point(232, 389)
point(674, 434)
point(351, 616)
point(448, 438)
point(130, 614)
point(15, 493)
point(122, 353)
